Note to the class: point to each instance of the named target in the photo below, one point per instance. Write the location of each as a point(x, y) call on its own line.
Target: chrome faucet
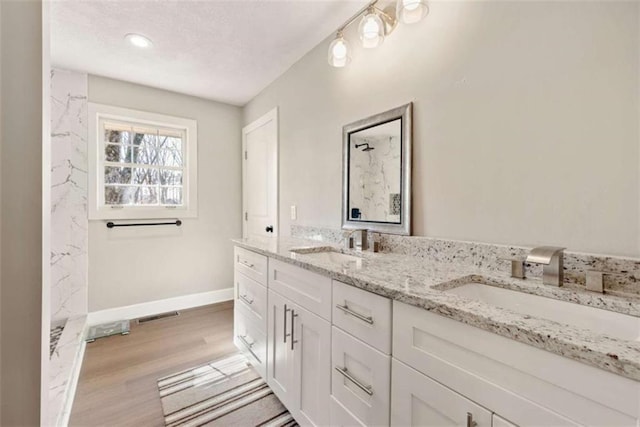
point(361, 240)
point(551, 258)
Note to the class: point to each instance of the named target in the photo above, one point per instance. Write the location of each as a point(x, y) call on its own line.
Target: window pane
point(171, 196)
point(170, 158)
point(170, 177)
point(145, 176)
point(117, 153)
point(171, 153)
point(146, 196)
point(116, 135)
point(144, 139)
point(118, 195)
point(116, 175)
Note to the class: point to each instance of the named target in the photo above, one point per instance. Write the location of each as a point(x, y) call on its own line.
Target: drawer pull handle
point(366, 388)
point(249, 346)
point(347, 310)
point(470, 422)
point(245, 299)
point(248, 264)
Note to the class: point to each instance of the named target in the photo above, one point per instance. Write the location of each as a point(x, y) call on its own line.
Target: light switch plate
point(294, 212)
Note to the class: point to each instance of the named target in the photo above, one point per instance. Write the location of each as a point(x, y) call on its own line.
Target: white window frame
point(97, 209)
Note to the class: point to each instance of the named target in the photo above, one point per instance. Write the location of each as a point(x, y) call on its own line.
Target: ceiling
point(222, 50)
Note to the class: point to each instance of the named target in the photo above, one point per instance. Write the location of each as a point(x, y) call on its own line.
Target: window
point(143, 164)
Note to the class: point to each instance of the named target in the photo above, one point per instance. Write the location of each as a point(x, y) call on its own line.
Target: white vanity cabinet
point(250, 308)
point(337, 355)
point(298, 343)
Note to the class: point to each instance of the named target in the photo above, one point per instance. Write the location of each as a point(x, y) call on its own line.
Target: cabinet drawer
point(361, 377)
point(252, 341)
point(340, 417)
point(363, 314)
point(308, 289)
point(251, 264)
point(252, 296)
point(417, 400)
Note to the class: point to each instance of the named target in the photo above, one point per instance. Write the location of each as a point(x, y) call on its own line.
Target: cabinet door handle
point(366, 388)
point(245, 299)
point(347, 310)
point(470, 422)
point(293, 340)
point(285, 323)
point(249, 346)
point(248, 264)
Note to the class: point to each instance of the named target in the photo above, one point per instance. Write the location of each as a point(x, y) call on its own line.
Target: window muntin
point(142, 165)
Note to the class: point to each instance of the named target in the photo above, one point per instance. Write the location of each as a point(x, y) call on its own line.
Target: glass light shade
point(411, 11)
point(371, 30)
point(339, 52)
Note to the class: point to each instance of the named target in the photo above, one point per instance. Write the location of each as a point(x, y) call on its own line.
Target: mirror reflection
point(375, 176)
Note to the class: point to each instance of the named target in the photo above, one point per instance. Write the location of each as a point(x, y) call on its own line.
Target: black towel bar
point(177, 223)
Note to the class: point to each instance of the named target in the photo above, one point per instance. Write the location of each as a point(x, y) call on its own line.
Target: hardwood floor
point(117, 385)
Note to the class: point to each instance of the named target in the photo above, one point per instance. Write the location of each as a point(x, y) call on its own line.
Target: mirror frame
point(405, 113)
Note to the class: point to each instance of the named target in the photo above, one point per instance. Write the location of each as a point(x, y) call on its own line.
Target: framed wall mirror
point(376, 172)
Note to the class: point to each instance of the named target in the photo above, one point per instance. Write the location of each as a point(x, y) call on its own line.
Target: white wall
point(135, 265)
point(525, 122)
point(23, 133)
point(69, 226)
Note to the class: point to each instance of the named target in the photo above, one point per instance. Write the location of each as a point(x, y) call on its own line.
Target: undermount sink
point(327, 254)
point(603, 322)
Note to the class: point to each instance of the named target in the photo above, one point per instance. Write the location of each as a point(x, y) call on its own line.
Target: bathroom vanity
point(347, 338)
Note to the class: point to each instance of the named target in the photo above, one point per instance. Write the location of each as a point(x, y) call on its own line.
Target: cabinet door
point(417, 400)
point(312, 354)
point(280, 365)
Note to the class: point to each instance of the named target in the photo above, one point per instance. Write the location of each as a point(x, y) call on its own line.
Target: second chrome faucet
point(551, 258)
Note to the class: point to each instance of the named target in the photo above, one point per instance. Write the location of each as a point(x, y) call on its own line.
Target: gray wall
point(23, 126)
point(525, 122)
point(137, 265)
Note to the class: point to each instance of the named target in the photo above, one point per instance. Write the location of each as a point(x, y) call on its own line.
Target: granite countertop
point(423, 282)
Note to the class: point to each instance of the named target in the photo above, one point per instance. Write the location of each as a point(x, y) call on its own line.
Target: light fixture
point(371, 29)
point(411, 11)
point(138, 40)
point(374, 26)
point(339, 52)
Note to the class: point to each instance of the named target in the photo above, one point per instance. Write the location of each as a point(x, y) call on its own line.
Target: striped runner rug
point(225, 392)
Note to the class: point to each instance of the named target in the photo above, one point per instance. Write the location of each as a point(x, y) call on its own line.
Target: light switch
point(294, 212)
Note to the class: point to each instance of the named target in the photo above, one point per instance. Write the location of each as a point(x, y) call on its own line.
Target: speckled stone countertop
point(422, 283)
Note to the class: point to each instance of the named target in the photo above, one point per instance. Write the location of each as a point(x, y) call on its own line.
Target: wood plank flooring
point(117, 385)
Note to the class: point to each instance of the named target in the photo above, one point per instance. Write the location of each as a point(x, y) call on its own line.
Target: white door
point(312, 355)
point(417, 400)
point(280, 370)
point(260, 176)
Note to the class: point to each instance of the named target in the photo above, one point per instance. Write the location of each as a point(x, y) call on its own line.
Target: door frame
point(272, 115)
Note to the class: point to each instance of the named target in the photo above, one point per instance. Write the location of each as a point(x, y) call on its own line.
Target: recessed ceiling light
point(138, 40)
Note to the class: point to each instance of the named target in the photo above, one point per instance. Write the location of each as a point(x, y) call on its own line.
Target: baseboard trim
point(160, 306)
